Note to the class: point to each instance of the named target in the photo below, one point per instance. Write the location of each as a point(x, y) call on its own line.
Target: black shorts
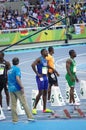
point(52, 79)
point(3, 85)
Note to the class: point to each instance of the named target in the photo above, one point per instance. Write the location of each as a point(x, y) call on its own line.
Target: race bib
point(44, 70)
point(1, 71)
point(52, 75)
point(74, 69)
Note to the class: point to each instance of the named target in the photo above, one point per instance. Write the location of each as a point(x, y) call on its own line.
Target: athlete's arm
point(34, 64)
point(68, 63)
point(77, 80)
point(56, 73)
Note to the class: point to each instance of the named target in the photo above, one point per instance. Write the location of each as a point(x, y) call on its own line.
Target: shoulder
point(16, 68)
point(48, 57)
point(6, 62)
point(38, 60)
point(8, 65)
point(68, 61)
point(17, 71)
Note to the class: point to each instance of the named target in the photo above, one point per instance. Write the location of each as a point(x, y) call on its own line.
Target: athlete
point(4, 67)
point(39, 66)
point(71, 75)
point(52, 73)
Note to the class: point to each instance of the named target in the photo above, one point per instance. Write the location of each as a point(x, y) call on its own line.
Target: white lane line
point(26, 61)
point(62, 65)
point(27, 73)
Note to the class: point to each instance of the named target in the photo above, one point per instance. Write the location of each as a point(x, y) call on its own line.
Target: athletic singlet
point(73, 66)
point(42, 66)
point(3, 71)
point(51, 63)
point(73, 72)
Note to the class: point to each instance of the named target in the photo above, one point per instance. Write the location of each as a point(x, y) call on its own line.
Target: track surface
point(28, 76)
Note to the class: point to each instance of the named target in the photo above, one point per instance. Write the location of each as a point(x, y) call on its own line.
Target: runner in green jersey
point(71, 74)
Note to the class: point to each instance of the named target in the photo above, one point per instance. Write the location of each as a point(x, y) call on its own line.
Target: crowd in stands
point(42, 14)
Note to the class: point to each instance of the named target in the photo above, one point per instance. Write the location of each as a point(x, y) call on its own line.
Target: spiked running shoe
point(34, 111)
point(47, 111)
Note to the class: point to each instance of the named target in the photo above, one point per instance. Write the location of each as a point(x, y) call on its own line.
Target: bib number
point(52, 76)
point(1, 71)
point(74, 69)
point(44, 70)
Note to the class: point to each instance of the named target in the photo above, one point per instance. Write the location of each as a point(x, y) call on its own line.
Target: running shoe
point(76, 104)
point(47, 111)
point(48, 101)
point(71, 104)
point(34, 111)
point(31, 119)
point(8, 108)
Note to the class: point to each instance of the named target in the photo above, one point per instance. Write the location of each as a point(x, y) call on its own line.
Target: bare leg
point(0, 99)
point(37, 98)
point(72, 95)
point(44, 99)
point(7, 97)
point(49, 92)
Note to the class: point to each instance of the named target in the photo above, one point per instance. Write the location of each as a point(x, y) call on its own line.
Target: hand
point(77, 80)
point(39, 75)
point(72, 79)
point(22, 90)
point(57, 74)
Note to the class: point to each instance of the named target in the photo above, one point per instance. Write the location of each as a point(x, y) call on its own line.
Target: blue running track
point(28, 78)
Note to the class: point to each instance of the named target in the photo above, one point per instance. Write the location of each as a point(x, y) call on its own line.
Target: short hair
point(71, 51)
point(42, 51)
point(15, 61)
point(50, 48)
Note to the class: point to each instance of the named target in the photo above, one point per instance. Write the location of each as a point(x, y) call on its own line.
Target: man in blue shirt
point(16, 90)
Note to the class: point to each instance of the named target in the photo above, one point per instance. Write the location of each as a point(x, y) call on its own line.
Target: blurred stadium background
point(21, 18)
